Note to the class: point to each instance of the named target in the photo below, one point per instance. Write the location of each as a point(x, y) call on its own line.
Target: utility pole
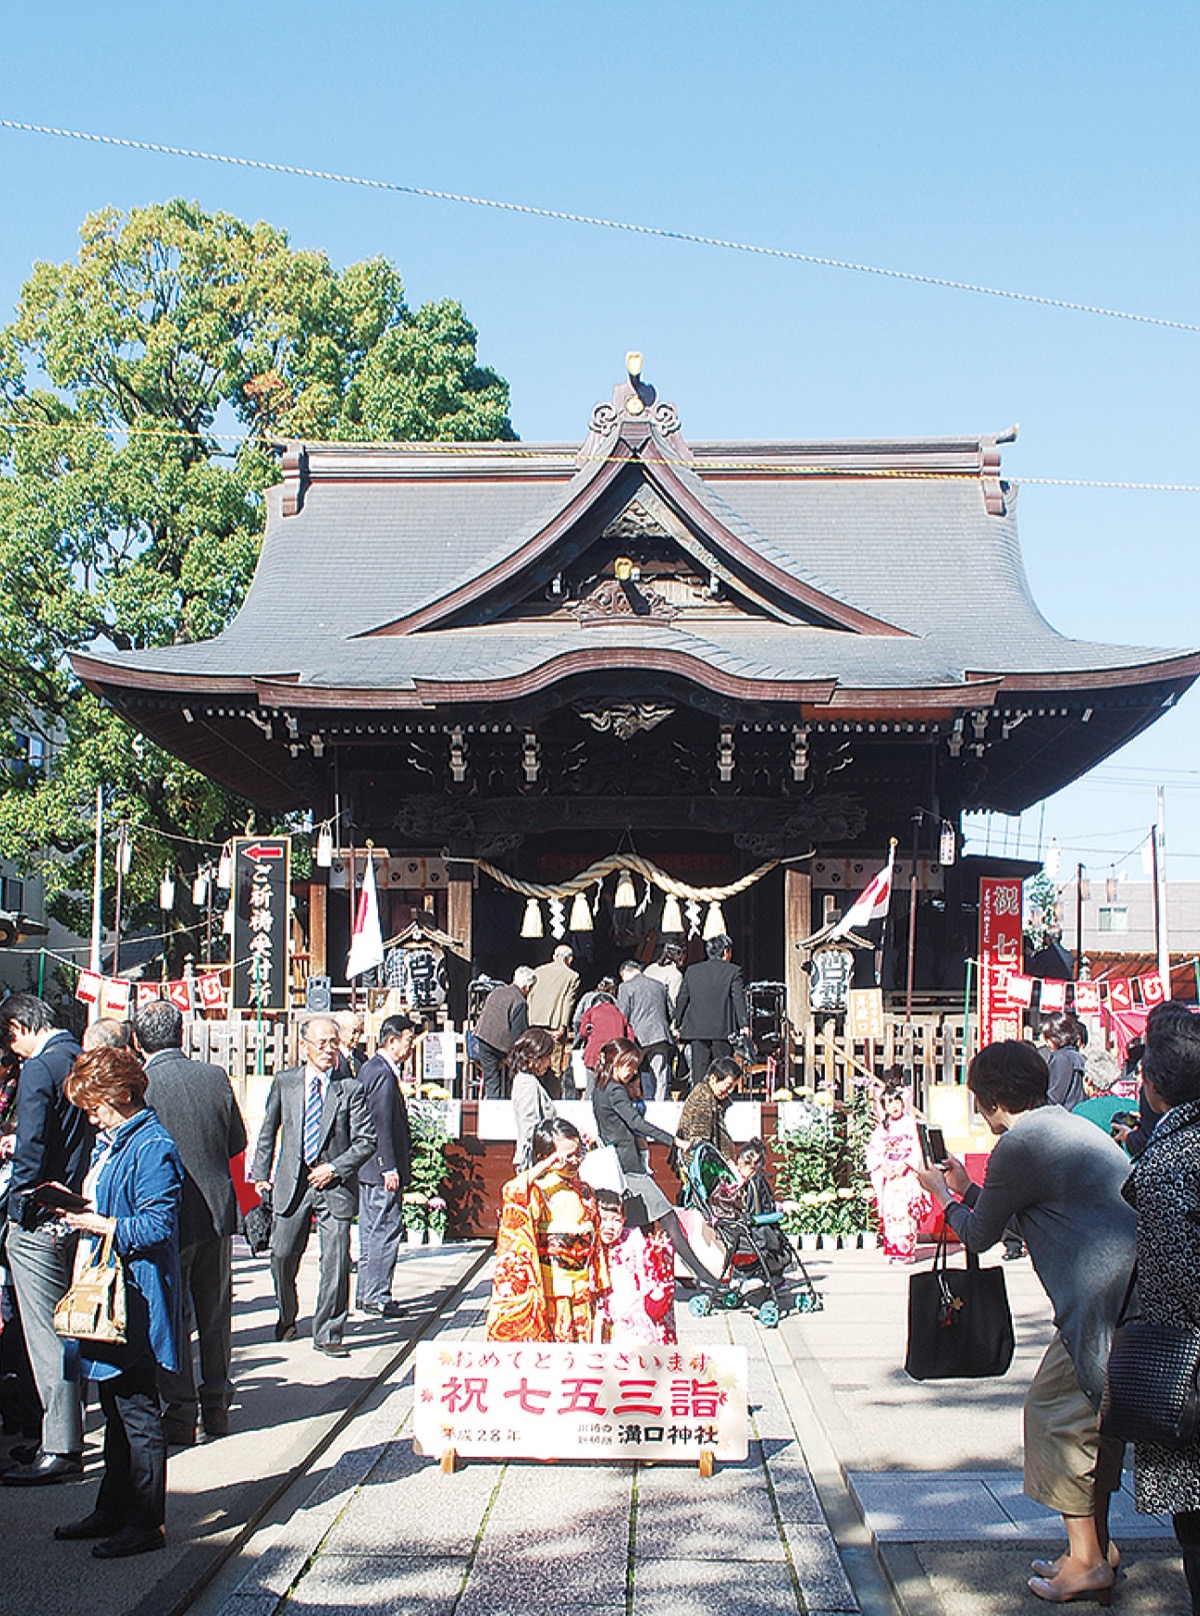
point(1161, 936)
point(1078, 921)
point(97, 898)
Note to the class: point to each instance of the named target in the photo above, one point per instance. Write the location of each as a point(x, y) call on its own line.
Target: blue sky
point(1043, 148)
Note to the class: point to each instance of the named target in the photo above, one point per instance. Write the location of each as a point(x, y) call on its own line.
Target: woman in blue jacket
point(135, 1184)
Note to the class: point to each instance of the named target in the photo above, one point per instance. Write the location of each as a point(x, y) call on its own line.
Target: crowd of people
point(124, 1145)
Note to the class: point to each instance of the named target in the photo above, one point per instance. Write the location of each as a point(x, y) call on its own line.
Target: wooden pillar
point(459, 894)
point(797, 923)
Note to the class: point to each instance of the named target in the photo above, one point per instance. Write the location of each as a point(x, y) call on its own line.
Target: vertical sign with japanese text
point(1000, 935)
point(261, 922)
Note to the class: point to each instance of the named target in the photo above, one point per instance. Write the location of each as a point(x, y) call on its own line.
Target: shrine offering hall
point(747, 666)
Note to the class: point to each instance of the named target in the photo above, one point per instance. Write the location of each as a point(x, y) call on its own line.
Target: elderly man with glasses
point(316, 1134)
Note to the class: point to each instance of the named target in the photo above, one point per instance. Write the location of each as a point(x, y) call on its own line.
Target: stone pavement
point(933, 1470)
point(387, 1531)
point(290, 1404)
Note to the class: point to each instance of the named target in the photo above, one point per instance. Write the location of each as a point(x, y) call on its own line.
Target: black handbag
point(1152, 1386)
point(959, 1323)
point(256, 1226)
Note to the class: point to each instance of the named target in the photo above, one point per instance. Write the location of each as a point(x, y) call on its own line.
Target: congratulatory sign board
point(502, 1400)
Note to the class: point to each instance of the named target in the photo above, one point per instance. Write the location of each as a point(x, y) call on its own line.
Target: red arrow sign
point(264, 850)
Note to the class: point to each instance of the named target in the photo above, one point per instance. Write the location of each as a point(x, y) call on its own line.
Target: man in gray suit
point(196, 1105)
point(645, 1005)
point(318, 1118)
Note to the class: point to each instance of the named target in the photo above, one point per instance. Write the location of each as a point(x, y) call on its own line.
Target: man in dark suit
point(196, 1105)
point(711, 1006)
point(645, 1005)
point(317, 1117)
point(383, 1176)
point(53, 1141)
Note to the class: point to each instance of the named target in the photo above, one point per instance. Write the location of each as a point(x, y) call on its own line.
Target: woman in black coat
point(621, 1125)
point(1164, 1188)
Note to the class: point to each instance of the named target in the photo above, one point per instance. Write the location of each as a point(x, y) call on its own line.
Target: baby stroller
point(758, 1255)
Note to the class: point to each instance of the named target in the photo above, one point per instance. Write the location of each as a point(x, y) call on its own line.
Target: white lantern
point(531, 926)
point(200, 888)
point(324, 854)
point(581, 915)
point(225, 870)
point(166, 892)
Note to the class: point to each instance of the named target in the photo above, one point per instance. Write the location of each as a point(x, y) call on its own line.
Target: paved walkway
point(389, 1532)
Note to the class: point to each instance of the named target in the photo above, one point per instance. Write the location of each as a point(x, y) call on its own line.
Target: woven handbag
point(1152, 1386)
point(959, 1323)
point(93, 1309)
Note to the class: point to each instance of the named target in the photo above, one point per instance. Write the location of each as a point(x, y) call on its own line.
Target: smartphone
point(933, 1145)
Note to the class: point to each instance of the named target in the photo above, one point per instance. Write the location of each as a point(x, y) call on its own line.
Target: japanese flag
point(366, 941)
point(872, 902)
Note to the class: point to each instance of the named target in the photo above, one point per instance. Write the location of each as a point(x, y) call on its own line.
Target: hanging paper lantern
point(166, 892)
point(200, 888)
point(225, 870)
point(558, 919)
point(324, 854)
point(531, 926)
point(714, 922)
point(581, 915)
point(672, 920)
point(626, 897)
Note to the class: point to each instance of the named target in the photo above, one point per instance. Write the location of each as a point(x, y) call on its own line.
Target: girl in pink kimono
point(893, 1158)
point(639, 1307)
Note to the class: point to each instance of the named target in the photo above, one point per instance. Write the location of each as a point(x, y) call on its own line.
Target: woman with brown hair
point(135, 1183)
point(528, 1061)
point(622, 1125)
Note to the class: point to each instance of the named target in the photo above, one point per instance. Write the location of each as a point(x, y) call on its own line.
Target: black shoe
point(130, 1541)
point(382, 1310)
point(93, 1525)
point(178, 1435)
point(216, 1422)
point(285, 1332)
point(331, 1349)
point(44, 1471)
point(1011, 1253)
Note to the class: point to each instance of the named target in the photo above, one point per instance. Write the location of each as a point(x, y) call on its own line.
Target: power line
point(528, 209)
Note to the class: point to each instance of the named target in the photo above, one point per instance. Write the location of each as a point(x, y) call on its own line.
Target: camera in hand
point(933, 1145)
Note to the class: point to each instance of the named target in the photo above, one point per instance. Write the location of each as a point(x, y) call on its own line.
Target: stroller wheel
point(768, 1315)
point(729, 1299)
point(809, 1302)
point(700, 1306)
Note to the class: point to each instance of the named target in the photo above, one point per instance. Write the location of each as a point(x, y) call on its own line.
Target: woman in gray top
point(1058, 1180)
point(528, 1062)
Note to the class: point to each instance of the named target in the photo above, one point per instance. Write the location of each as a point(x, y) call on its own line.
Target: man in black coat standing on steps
point(711, 1006)
point(196, 1105)
point(383, 1177)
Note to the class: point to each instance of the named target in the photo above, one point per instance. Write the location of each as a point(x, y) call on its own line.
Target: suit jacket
point(389, 1117)
point(347, 1139)
point(196, 1105)
point(54, 1137)
point(552, 997)
point(712, 1001)
point(503, 1019)
point(647, 1009)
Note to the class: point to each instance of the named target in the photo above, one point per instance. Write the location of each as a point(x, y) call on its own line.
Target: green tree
point(143, 386)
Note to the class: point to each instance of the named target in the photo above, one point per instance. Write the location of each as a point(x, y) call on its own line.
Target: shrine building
point(746, 665)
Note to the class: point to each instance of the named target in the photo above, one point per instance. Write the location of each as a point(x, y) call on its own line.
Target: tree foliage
point(142, 386)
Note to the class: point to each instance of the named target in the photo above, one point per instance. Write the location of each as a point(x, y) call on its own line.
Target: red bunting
point(211, 990)
point(147, 993)
point(1019, 989)
point(180, 993)
point(1087, 998)
point(1054, 995)
point(1153, 991)
point(88, 986)
point(1120, 994)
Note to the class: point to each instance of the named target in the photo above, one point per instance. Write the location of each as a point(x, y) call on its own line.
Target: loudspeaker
point(317, 995)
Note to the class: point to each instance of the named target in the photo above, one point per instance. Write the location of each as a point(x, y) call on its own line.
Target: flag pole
point(912, 921)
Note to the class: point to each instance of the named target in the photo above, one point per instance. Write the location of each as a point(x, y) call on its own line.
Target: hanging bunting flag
point(180, 993)
point(366, 943)
point(1019, 989)
point(211, 990)
point(1153, 990)
point(692, 910)
point(872, 902)
point(1087, 998)
point(88, 987)
point(114, 999)
point(558, 918)
point(147, 993)
point(1120, 993)
point(1054, 996)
